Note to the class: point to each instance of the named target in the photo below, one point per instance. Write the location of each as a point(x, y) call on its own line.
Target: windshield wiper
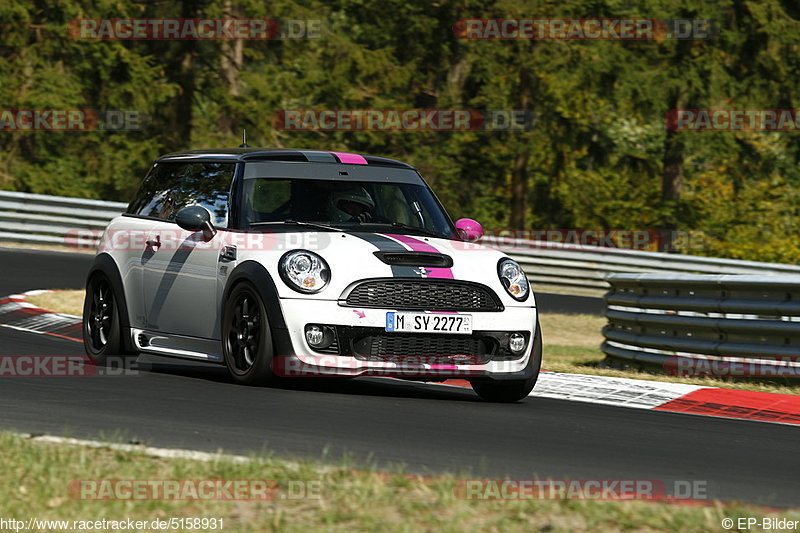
point(297, 223)
point(409, 227)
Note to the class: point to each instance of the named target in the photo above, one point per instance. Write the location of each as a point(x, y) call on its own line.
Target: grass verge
point(67, 302)
point(36, 476)
point(571, 344)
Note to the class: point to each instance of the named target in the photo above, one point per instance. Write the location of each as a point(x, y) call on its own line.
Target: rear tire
point(246, 337)
point(102, 323)
point(506, 391)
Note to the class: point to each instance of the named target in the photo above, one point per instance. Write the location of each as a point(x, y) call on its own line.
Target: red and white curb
point(672, 397)
point(17, 313)
point(665, 396)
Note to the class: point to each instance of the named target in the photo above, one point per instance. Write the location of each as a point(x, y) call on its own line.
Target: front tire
point(507, 391)
point(246, 337)
point(102, 322)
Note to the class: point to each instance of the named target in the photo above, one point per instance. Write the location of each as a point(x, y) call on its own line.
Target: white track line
point(163, 453)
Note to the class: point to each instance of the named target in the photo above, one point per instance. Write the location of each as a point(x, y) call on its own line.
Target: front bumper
point(294, 357)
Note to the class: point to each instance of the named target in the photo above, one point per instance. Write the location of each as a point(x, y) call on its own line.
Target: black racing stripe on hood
point(385, 244)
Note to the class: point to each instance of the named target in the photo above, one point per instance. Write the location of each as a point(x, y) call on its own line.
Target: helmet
point(359, 196)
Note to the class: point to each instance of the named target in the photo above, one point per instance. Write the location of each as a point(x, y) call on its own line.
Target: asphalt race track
point(427, 428)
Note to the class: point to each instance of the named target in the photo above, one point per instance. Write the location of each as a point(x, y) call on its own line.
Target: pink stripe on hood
point(422, 246)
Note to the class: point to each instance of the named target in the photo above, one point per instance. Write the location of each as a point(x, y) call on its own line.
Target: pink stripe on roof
point(353, 159)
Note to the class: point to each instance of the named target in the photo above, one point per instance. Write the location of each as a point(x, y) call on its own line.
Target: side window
point(154, 198)
point(169, 187)
point(208, 185)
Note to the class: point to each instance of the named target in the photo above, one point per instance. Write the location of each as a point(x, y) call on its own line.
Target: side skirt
point(177, 345)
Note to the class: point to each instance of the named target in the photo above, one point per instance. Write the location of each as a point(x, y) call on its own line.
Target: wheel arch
point(104, 264)
point(255, 273)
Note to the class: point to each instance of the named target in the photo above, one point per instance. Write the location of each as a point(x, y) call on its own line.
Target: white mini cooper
point(281, 263)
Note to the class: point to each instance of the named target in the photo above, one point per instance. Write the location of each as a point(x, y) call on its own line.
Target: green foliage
point(595, 157)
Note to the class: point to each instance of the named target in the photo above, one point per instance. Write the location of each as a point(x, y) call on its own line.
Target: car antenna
point(244, 139)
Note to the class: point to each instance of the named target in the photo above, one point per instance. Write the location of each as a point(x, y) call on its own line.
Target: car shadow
point(172, 268)
point(362, 386)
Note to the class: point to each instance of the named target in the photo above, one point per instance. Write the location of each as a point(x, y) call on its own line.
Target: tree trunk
point(519, 174)
point(230, 65)
point(519, 189)
point(184, 101)
point(671, 182)
point(672, 178)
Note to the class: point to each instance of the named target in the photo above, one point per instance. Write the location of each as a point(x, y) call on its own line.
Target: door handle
point(154, 242)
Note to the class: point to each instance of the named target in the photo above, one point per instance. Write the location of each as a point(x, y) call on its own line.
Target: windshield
point(345, 205)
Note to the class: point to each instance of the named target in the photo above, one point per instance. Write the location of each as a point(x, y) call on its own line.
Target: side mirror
point(196, 218)
point(468, 229)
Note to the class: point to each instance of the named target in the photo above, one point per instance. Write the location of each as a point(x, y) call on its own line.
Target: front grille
point(418, 348)
point(423, 295)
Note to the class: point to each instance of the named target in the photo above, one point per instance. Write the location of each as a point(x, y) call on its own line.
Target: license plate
point(429, 322)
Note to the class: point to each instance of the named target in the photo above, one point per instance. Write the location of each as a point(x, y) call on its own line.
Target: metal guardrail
point(586, 268)
point(37, 218)
point(658, 318)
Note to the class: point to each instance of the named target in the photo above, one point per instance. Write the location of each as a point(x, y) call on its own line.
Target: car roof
point(282, 155)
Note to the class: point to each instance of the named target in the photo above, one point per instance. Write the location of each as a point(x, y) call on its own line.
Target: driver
point(354, 205)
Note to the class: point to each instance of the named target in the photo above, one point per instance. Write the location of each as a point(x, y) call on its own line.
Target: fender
point(256, 274)
point(104, 263)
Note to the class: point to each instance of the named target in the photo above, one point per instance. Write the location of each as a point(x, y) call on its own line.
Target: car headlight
point(304, 271)
point(513, 279)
